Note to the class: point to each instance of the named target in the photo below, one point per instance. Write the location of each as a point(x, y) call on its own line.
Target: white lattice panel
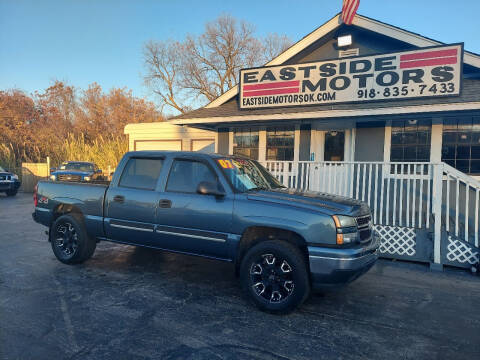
point(396, 240)
point(460, 252)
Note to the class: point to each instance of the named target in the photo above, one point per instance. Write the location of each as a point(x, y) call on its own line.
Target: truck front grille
point(363, 221)
point(64, 177)
point(5, 177)
point(364, 229)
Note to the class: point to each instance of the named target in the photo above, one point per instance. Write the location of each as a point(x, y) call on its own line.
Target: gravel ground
point(134, 303)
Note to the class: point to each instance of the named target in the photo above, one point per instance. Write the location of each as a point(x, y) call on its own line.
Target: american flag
point(349, 9)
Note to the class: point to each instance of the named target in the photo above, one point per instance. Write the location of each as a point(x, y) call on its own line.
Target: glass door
point(334, 146)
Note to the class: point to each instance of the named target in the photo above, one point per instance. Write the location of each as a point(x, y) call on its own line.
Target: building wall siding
point(164, 131)
point(223, 145)
point(367, 42)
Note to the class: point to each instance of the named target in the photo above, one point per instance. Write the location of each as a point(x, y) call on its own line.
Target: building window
point(280, 143)
point(334, 146)
point(245, 142)
point(461, 143)
point(411, 140)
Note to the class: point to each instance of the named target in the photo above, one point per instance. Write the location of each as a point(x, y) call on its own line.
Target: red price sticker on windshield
point(226, 164)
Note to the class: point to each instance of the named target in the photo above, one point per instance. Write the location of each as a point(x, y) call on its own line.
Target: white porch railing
point(430, 196)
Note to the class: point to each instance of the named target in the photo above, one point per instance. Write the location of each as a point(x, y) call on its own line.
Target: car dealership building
point(369, 111)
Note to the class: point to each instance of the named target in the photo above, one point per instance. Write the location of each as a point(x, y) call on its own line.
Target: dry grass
point(104, 151)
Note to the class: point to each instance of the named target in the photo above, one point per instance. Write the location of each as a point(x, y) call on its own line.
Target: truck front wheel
point(274, 275)
point(70, 241)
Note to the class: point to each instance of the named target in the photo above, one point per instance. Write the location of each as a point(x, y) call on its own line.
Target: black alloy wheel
point(272, 278)
point(274, 275)
point(70, 241)
point(66, 239)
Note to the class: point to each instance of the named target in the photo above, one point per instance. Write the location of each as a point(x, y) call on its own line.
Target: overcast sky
point(82, 41)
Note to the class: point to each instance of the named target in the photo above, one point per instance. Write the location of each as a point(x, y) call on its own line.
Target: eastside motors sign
point(426, 72)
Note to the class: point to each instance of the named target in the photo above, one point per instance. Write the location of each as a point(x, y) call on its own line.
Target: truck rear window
point(141, 173)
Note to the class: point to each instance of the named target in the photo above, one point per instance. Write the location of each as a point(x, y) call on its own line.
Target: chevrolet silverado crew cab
point(283, 242)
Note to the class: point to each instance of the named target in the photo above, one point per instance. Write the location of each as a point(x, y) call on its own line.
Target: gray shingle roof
point(470, 93)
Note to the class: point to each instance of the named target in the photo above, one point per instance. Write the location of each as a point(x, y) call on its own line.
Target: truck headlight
point(347, 232)
point(53, 177)
point(344, 221)
point(87, 178)
point(14, 177)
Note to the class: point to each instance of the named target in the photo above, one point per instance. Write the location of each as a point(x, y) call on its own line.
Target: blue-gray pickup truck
point(283, 242)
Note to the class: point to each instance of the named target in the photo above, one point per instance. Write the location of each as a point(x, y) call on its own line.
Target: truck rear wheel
point(274, 275)
point(70, 241)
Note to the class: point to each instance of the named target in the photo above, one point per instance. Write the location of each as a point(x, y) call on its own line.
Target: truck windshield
point(2, 169)
point(247, 175)
point(77, 167)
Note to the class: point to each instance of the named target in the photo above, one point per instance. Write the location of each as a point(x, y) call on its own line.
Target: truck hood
point(310, 200)
point(72, 172)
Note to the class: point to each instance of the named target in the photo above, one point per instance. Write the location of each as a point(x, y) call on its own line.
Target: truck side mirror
point(99, 171)
point(209, 188)
point(53, 169)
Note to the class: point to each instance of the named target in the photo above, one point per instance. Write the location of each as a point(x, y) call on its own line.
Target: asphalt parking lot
point(133, 303)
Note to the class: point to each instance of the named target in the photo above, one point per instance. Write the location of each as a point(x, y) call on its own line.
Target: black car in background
point(9, 182)
point(76, 171)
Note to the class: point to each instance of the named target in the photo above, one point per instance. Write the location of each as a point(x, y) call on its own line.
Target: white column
point(262, 144)
point(387, 143)
point(320, 145)
point(296, 149)
point(313, 143)
point(353, 136)
point(230, 142)
point(216, 140)
point(436, 144)
point(349, 147)
point(437, 189)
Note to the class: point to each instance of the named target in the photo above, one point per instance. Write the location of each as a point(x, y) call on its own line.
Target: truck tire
point(70, 241)
point(11, 192)
point(274, 275)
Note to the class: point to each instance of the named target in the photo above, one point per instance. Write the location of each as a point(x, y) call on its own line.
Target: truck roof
point(153, 153)
point(77, 162)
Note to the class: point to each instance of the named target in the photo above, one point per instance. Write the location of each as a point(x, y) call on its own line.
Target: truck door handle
point(119, 198)
point(164, 203)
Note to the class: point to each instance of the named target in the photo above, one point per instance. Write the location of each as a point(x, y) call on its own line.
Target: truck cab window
point(141, 173)
point(185, 175)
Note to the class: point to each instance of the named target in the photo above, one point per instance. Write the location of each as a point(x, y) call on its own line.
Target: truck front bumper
point(334, 267)
point(9, 185)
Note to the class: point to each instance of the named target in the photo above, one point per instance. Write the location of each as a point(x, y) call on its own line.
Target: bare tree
point(212, 60)
point(163, 64)
point(273, 45)
point(203, 67)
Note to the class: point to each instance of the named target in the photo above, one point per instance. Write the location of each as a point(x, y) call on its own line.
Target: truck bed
point(87, 197)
